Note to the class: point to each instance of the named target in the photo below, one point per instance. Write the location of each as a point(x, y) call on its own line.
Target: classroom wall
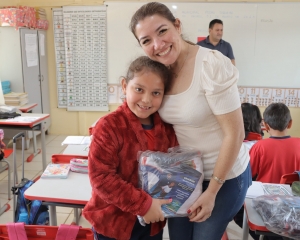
point(77, 123)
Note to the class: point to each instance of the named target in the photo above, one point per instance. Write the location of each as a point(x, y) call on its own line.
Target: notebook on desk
point(59, 170)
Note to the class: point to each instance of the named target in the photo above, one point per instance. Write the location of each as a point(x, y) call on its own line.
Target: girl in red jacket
point(113, 168)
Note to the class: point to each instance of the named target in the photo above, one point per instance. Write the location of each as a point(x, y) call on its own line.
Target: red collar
point(253, 136)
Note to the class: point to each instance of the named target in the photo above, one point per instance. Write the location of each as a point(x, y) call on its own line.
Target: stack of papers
point(15, 99)
point(258, 189)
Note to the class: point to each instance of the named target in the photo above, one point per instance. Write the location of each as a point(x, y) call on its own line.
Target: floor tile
point(27, 174)
point(62, 218)
point(6, 217)
point(49, 138)
point(31, 166)
point(55, 150)
point(60, 138)
point(55, 143)
point(64, 210)
point(4, 187)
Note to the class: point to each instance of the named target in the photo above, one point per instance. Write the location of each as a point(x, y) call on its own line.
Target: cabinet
point(23, 61)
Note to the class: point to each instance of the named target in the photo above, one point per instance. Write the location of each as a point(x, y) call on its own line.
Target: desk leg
point(245, 226)
point(35, 150)
point(52, 215)
point(43, 140)
point(77, 213)
point(34, 141)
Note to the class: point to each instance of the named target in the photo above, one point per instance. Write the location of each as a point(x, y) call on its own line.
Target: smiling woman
point(203, 106)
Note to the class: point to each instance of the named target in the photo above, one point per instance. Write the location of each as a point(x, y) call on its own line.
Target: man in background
point(214, 40)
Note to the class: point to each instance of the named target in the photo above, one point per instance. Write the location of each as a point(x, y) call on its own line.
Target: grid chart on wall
point(59, 44)
point(263, 97)
point(85, 63)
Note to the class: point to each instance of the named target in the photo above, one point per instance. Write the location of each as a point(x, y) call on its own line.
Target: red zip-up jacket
point(113, 171)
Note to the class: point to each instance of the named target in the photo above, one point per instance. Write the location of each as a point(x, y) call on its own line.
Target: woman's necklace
point(187, 53)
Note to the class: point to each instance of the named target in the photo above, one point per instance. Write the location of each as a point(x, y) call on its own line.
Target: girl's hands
point(155, 214)
point(202, 208)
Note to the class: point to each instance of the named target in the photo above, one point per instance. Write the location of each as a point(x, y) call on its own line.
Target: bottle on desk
point(23, 217)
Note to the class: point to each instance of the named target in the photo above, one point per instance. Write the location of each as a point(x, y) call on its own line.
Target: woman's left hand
point(202, 208)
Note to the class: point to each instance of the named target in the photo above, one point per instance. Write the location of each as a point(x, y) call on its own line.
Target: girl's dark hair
point(148, 10)
point(145, 63)
point(277, 116)
point(252, 118)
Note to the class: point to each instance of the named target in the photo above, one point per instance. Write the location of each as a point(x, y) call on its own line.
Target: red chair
point(35, 232)
point(289, 178)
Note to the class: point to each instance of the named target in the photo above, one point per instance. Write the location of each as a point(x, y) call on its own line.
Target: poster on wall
point(85, 48)
point(82, 73)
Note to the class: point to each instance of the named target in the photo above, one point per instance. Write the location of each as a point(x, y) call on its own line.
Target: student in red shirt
point(113, 167)
point(252, 124)
point(272, 157)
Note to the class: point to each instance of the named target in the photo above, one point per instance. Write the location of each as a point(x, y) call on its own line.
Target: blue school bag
point(38, 213)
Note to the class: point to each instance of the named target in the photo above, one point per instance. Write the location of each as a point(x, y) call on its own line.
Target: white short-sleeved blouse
point(213, 91)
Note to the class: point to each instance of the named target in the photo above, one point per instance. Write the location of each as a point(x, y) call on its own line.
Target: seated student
point(252, 124)
point(272, 157)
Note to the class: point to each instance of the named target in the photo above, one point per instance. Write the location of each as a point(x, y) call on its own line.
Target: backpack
point(38, 213)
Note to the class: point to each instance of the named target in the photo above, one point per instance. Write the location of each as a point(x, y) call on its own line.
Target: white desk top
point(255, 221)
point(26, 119)
point(75, 189)
point(81, 150)
point(27, 107)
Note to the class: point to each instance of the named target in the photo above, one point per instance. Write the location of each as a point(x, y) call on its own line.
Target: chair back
point(35, 232)
point(289, 178)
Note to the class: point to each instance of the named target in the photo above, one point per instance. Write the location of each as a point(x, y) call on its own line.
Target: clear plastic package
point(281, 214)
point(177, 174)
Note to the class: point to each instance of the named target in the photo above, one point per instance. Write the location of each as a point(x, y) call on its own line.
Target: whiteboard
point(264, 38)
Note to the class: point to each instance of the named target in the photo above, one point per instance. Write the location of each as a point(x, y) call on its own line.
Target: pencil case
point(79, 165)
point(79, 169)
point(79, 162)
